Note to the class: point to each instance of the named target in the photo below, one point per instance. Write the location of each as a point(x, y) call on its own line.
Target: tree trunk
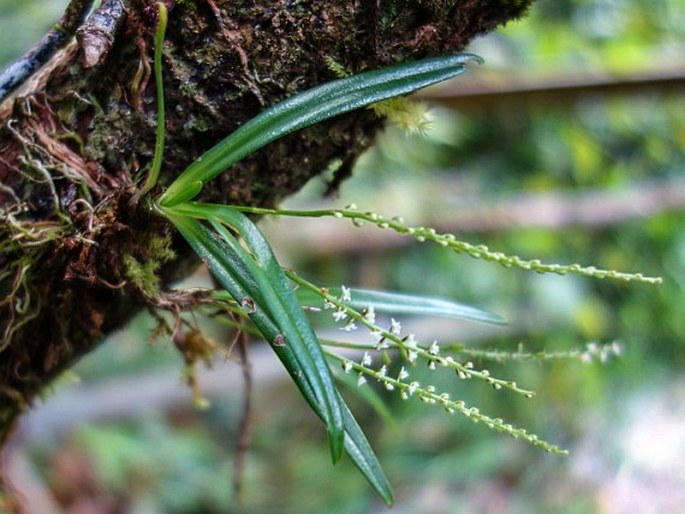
point(74, 139)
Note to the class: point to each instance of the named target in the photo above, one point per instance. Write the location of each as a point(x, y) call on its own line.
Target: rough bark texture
point(71, 145)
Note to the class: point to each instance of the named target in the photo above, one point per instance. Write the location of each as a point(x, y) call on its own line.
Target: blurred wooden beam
point(551, 210)
point(497, 90)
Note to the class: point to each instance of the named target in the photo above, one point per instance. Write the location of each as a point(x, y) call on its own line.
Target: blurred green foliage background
point(623, 420)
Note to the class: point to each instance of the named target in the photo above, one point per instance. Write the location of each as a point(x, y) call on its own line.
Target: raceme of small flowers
point(423, 234)
point(591, 352)
point(391, 338)
point(428, 394)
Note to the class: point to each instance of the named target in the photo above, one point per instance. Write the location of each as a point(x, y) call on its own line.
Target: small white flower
point(412, 388)
point(383, 344)
point(434, 348)
point(328, 305)
point(349, 327)
point(382, 372)
point(366, 360)
point(389, 386)
point(361, 380)
point(402, 374)
point(395, 327)
point(617, 348)
point(431, 365)
point(347, 366)
point(370, 314)
point(412, 355)
point(377, 335)
point(410, 342)
point(346, 294)
point(339, 315)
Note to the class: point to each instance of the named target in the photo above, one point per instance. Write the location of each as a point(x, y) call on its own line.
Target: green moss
point(142, 269)
point(411, 116)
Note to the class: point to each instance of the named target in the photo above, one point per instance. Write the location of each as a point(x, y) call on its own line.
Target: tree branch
point(53, 41)
point(73, 145)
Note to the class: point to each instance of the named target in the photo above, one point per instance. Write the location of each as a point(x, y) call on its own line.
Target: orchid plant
point(242, 261)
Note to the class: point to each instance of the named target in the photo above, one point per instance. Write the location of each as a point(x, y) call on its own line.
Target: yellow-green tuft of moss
point(411, 116)
point(144, 274)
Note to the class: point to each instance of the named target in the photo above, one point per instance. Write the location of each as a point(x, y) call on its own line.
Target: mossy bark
point(73, 142)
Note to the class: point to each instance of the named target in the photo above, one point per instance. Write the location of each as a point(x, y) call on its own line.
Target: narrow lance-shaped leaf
point(401, 303)
point(266, 287)
point(295, 332)
point(363, 456)
point(358, 447)
point(236, 276)
point(310, 107)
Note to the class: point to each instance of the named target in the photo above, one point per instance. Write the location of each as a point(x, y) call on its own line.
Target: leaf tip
point(473, 59)
point(337, 442)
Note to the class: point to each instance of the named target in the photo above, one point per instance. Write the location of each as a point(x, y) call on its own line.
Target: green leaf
point(363, 456)
point(153, 175)
point(254, 278)
point(235, 272)
point(401, 303)
point(310, 107)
